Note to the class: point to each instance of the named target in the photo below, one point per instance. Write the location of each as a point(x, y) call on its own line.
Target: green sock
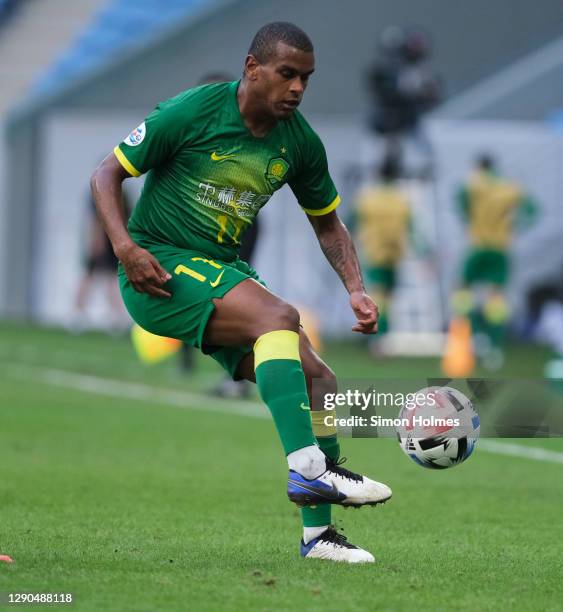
point(496, 314)
point(497, 334)
point(281, 383)
point(321, 515)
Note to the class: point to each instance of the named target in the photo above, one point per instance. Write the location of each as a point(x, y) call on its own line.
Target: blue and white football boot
point(336, 485)
point(333, 546)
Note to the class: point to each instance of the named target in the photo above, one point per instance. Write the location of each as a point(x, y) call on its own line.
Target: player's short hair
point(485, 161)
point(264, 43)
point(390, 168)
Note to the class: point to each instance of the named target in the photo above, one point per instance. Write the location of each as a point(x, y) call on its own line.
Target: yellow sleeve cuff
point(323, 211)
point(125, 162)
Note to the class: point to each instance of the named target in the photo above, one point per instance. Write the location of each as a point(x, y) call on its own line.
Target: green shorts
point(196, 281)
point(381, 277)
point(486, 266)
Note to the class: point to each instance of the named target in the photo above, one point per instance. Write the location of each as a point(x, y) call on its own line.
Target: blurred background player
point(382, 220)
point(403, 87)
point(491, 206)
point(99, 270)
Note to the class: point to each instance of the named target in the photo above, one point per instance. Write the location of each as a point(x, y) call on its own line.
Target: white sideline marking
point(116, 388)
point(519, 450)
point(109, 387)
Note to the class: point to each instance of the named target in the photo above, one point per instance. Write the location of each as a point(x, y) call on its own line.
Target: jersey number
point(181, 269)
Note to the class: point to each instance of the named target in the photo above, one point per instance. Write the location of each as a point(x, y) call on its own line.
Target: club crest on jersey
point(137, 136)
point(276, 171)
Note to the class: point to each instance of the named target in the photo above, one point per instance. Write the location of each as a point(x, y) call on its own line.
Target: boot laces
point(336, 467)
point(332, 536)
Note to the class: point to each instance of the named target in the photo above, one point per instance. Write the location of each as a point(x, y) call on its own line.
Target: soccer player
point(214, 156)
point(491, 206)
point(382, 220)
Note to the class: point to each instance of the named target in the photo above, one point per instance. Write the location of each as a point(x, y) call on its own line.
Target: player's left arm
point(339, 250)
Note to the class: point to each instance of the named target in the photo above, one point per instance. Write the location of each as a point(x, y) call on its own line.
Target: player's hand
point(366, 313)
point(144, 272)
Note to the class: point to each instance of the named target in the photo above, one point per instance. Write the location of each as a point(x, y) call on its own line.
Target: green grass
point(133, 505)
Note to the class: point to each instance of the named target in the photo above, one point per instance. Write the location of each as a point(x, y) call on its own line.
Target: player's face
point(282, 81)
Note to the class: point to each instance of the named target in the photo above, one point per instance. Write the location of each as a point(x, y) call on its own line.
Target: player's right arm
point(150, 145)
point(142, 268)
point(463, 202)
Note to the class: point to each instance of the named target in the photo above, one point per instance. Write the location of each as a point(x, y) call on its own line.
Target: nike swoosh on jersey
point(216, 157)
point(304, 406)
point(326, 493)
point(216, 281)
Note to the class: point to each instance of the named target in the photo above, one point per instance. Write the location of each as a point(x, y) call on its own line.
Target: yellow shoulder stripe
point(125, 162)
point(325, 210)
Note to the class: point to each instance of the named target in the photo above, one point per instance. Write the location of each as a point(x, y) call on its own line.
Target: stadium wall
point(525, 90)
point(345, 37)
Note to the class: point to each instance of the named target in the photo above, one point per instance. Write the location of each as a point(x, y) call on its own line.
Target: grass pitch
point(127, 487)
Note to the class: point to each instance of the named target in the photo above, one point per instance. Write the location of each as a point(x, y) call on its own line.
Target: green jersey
point(208, 176)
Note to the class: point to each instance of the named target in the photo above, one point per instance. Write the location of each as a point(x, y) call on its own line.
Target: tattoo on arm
point(335, 252)
point(341, 254)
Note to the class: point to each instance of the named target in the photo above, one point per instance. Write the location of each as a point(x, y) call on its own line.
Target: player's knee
point(283, 316)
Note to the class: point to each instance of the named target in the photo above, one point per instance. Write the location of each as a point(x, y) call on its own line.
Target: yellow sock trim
point(462, 302)
point(320, 428)
point(496, 310)
point(279, 344)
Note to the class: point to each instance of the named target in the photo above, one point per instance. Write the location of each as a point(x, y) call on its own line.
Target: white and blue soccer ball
point(439, 429)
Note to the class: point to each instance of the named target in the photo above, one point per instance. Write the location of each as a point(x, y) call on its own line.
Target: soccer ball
point(439, 428)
